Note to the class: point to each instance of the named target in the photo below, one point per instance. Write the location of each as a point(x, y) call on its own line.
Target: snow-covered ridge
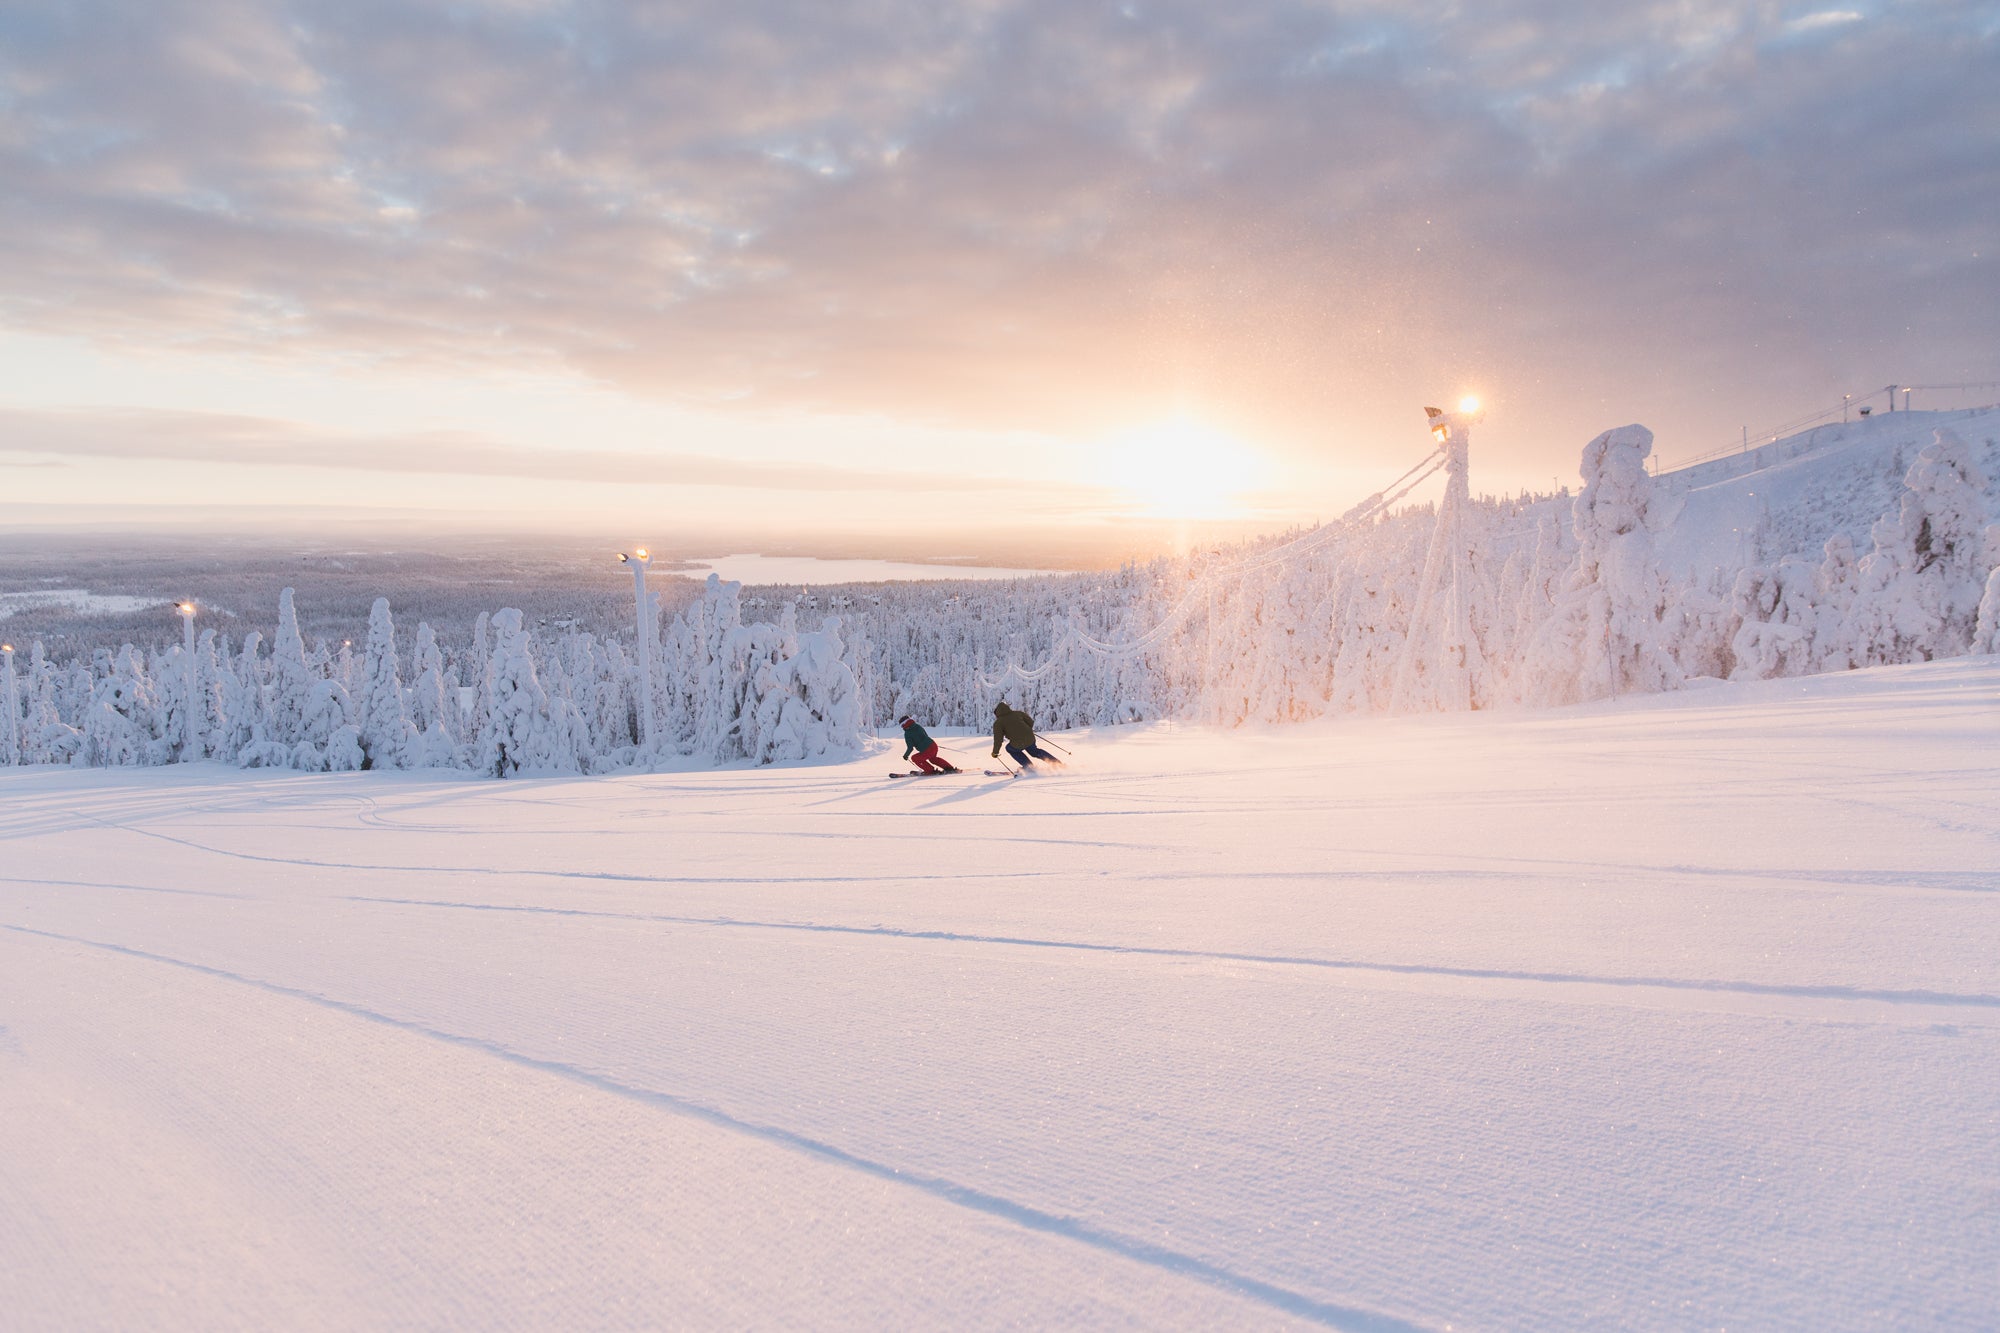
point(1789, 496)
point(1742, 568)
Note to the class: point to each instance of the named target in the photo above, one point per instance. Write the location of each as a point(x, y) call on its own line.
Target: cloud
point(29, 437)
point(1029, 213)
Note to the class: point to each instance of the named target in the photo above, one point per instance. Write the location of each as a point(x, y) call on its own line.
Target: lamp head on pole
point(1447, 424)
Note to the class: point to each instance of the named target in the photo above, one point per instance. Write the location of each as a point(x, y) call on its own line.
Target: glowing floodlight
point(644, 554)
point(624, 559)
point(185, 608)
point(1468, 404)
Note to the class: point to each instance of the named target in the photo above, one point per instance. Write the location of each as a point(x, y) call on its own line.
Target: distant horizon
point(1048, 548)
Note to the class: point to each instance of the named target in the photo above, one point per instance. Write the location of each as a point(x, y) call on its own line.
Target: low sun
point(1184, 468)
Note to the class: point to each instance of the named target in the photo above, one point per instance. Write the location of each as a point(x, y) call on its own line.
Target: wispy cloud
point(45, 438)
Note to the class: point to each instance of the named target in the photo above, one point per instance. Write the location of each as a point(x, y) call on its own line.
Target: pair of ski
point(954, 772)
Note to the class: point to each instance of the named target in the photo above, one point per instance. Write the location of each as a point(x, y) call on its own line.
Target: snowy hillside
point(1787, 497)
point(1680, 1012)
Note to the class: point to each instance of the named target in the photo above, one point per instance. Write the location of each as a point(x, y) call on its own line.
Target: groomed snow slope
point(1681, 1012)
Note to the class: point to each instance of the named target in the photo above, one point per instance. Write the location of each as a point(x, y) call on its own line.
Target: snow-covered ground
point(1787, 497)
point(1677, 1012)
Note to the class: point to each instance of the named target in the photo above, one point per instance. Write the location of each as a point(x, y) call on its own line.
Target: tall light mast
point(639, 563)
point(1440, 655)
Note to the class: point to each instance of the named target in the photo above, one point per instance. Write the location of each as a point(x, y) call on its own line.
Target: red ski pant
point(927, 760)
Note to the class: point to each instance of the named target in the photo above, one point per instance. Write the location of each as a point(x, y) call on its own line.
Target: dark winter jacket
point(1014, 727)
point(916, 740)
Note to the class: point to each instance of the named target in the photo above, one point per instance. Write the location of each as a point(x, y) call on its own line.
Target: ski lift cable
point(1371, 507)
point(1289, 552)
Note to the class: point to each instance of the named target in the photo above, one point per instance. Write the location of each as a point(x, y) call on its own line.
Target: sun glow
point(1184, 468)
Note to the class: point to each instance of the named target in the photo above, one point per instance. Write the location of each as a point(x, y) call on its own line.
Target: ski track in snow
point(1673, 1014)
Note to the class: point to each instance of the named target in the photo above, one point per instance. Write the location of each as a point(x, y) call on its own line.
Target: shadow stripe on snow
point(965, 1196)
point(1275, 960)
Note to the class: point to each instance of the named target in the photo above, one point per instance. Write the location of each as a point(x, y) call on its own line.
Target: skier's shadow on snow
point(967, 794)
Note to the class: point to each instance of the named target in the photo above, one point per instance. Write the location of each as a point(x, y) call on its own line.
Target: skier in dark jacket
point(921, 750)
point(1017, 729)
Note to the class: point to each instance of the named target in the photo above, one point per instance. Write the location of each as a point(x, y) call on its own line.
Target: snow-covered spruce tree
point(761, 667)
point(1538, 597)
point(178, 697)
point(329, 741)
point(387, 738)
point(609, 698)
point(434, 711)
point(480, 668)
point(1777, 618)
point(824, 716)
point(1377, 621)
point(568, 732)
point(290, 689)
point(710, 671)
point(518, 737)
point(1836, 583)
point(214, 685)
point(1919, 589)
point(1603, 635)
point(126, 723)
point(1986, 631)
point(47, 739)
point(255, 726)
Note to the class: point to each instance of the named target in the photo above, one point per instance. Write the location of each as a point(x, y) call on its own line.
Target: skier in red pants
point(921, 750)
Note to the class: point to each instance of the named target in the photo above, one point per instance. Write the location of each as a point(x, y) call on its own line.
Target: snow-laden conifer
point(519, 736)
point(1603, 635)
point(434, 712)
point(387, 738)
point(290, 688)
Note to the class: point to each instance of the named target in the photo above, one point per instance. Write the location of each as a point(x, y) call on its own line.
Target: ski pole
point(1044, 740)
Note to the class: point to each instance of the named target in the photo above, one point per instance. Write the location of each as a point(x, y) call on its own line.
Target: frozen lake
point(80, 601)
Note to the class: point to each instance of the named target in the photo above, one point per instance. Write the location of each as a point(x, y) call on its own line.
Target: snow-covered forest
point(1860, 545)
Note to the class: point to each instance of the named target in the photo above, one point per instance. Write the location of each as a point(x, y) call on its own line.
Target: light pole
point(11, 754)
point(640, 561)
point(193, 750)
point(1442, 620)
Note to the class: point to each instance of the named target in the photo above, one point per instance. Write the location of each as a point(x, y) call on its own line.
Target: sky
point(1046, 281)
